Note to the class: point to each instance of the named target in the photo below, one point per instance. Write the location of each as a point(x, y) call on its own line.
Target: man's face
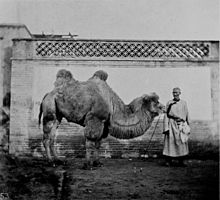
point(176, 94)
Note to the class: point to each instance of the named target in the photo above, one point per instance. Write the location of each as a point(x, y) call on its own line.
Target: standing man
point(175, 148)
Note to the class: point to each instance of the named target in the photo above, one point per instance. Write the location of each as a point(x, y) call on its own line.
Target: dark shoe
point(168, 164)
point(181, 164)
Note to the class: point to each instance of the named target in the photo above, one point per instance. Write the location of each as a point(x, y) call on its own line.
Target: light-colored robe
point(173, 145)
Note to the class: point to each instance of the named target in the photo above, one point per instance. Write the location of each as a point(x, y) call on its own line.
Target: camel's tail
point(41, 110)
point(40, 114)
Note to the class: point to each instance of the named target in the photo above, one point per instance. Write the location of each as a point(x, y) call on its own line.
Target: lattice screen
point(106, 49)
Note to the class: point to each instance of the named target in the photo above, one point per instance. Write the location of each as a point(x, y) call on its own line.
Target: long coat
point(173, 145)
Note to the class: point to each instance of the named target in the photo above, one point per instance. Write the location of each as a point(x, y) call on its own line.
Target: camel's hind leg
point(53, 140)
point(49, 129)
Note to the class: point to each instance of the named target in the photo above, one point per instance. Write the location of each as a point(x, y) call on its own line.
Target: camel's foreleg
point(92, 153)
point(90, 147)
point(93, 133)
point(96, 160)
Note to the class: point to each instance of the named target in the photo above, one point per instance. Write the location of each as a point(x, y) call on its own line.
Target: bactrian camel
point(95, 106)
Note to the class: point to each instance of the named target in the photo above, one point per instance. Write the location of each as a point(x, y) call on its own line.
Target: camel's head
point(152, 104)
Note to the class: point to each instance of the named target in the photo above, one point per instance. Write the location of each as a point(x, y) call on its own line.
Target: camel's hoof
point(87, 166)
point(51, 163)
point(59, 162)
point(97, 164)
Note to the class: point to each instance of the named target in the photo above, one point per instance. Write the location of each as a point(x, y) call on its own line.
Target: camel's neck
point(126, 121)
point(127, 126)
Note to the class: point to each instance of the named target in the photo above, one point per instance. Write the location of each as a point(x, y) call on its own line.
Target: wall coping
point(107, 40)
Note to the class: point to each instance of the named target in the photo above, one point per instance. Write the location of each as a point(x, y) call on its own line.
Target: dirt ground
point(34, 179)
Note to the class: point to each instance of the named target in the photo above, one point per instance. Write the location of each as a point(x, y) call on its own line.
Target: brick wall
point(7, 33)
point(21, 101)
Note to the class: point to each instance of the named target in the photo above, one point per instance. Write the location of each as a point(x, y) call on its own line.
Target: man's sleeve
point(187, 114)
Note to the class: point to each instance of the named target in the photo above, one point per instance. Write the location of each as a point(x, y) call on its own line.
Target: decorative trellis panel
point(122, 49)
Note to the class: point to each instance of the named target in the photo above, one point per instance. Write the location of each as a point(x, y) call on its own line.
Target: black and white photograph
point(109, 99)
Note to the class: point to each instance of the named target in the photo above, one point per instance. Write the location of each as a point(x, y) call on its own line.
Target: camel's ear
point(146, 98)
point(152, 97)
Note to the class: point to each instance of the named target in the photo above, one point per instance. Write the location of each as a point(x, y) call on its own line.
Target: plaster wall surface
point(33, 76)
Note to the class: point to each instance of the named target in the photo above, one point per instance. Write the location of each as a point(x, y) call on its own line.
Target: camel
point(95, 106)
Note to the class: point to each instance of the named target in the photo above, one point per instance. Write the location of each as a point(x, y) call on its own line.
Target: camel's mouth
point(157, 109)
point(162, 108)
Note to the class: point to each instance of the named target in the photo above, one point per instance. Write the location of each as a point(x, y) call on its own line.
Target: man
point(176, 114)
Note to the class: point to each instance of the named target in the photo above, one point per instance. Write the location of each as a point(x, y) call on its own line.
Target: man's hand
point(166, 132)
point(178, 119)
